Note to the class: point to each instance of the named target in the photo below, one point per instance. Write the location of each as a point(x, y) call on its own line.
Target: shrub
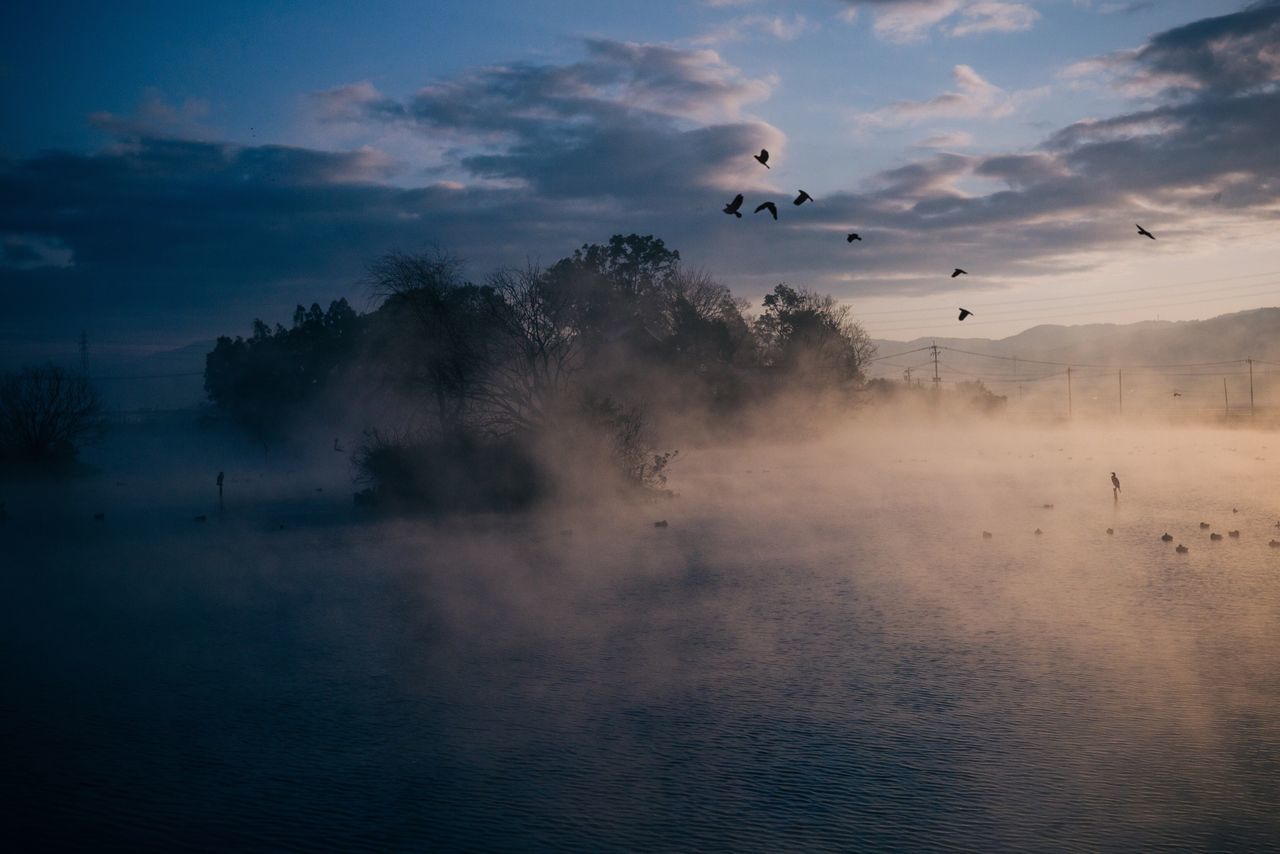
point(44, 413)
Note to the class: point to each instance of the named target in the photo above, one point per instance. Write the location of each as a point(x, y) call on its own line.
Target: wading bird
point(964, 312)
point(802, 198)
point(958, 272)
point(1144, 232)
point(1115, 486)
point(763, 157)
point(732, 207)
point(770, 207)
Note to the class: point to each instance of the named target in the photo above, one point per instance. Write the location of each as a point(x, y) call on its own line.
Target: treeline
point(503, 380)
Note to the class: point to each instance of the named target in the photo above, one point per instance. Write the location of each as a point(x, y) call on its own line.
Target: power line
point(1081, 365)
point(896, 355)
point(153, 376)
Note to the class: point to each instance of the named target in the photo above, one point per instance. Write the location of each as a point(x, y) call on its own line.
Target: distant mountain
point(1181, 363)
point(1245, 334)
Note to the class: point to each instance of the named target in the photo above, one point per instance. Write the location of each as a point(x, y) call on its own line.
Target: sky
point(171, 171)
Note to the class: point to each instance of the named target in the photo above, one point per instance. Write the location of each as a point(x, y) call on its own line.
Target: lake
point(820, 651)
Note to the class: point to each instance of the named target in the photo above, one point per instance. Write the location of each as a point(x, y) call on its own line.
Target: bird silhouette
point(1115, 482)
point(732, 207)
point(1144, 232)
point(1181, 549)
point(964, 312)
point(958, 272)
point(763, 157)
point(802, 198)
point(853, 235)
point(1168, 538)
point(1177, 394)
point(770, 207)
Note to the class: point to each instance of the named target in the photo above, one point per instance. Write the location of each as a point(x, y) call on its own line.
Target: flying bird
point(763, 157)
point(770, 207)
point(958, 272)
point(852, 237)
point(964, 312)
point(1144, 232)
point(732, 207)
point(1177, 394)
point(802, 198)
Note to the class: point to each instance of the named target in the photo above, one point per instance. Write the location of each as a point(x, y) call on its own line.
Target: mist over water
point(820, 651)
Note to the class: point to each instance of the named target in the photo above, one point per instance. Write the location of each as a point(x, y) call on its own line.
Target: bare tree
point(44, 412)
point(537, 353)
point(446, 310)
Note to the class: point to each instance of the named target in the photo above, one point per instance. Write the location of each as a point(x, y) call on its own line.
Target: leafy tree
point(811, 337)
point(267, 379)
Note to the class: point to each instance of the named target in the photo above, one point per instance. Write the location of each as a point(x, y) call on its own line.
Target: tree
point(811, 337)
point(44, 412)
point(618, 288)
point(267, 379)
point(537, 354)
point(455, 326)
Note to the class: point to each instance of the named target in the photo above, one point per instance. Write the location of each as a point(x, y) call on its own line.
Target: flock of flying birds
point(734, 209)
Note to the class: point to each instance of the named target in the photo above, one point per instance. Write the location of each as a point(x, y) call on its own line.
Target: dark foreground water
point(820, 652)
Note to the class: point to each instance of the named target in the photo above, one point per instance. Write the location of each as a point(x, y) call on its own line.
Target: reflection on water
point(820, 652)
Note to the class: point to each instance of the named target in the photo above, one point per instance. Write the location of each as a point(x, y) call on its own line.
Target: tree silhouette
point(44, 412)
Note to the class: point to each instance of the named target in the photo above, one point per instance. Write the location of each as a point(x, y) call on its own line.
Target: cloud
point(198, 237)
point(155, 116)
point(973, 97)
point(949, 139)
point(991, 17)
point(635, 121)
point(1227, 54)
point(29, 252)
point(743, 28)
point(907, 21)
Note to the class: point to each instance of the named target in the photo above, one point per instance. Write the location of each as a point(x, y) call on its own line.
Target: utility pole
point(1250, 387)
point(1120, 382)
point(1226, 407)
point(907, 373)
point(1068, 392)
point(936, 378)
point(84, 352)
